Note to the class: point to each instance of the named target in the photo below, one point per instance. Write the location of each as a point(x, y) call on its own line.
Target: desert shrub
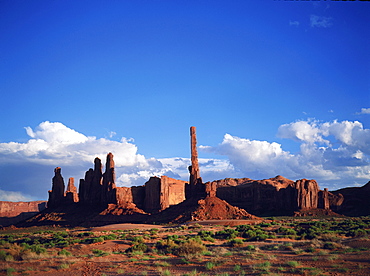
point(265, 266)
point(329, 237)
point(310, 249)
point(250, 248)
point(190, 248)
point(162, 264)
point(10, 270)
point(357, 233)
point(4, 256)
point(137, 247)
point(227, 234)
point(330, 245)
point(287, 246)
point(209, 265)
point(64, 252)
point(173, 237)
point(206, 235)
point(288, 232)
point(237, 268)
point(99, 253)
point(93, 240)
point(17, 252)
point(63, 266)
point(244, 227)
point(62, 243)
point(264, 224)
point(270, 247)
point(109, 237)
point(166, 246)
point(38, 249)
point(137, 239)
point(292, 263)
point(85, 234)
point(235, 243)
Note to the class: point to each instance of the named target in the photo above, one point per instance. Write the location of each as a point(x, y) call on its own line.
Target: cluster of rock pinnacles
point(278, 195)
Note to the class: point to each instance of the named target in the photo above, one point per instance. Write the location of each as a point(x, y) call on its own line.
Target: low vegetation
point(276, 246)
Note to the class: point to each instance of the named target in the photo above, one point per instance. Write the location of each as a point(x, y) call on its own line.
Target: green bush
point(64, 252)
point(166, 246)
point(138, 247)
point(190, 248)
point(99, 253)
point(235, 243)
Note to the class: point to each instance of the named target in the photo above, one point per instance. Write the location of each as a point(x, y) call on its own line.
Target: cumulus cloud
point(53, 144)
point(13, 196)
point(334, 153)
point(364, 111)
point(320, 21)
point(301, 131)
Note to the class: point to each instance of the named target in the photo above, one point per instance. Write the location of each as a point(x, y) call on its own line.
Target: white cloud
point(364, 111)
point(320, 21)
point(334, 153)
point(301, 131)
point(13, 196)
point(53, 144)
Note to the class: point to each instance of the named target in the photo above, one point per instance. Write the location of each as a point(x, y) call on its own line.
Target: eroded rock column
point(56, 195)
point(71, 192)
point(194, 168)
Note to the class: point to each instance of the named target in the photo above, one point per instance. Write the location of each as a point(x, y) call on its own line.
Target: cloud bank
point(334, 153)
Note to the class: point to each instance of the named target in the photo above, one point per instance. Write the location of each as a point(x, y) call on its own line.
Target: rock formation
point(195, 188)
point(56, 195)
point(194, 168)
point(109, 179)
point(71, 194)
point(352, 201)
point(13, 212)
point(161, 193)
point(169, 200)
point(274, 196)
point(324, 202)
point(307, 194)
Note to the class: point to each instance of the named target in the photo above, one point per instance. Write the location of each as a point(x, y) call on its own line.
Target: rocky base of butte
point(163, 199)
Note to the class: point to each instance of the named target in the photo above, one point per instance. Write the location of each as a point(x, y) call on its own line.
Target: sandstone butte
point(99, 201)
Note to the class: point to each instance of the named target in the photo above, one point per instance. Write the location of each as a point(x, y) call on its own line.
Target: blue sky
point(273, 87)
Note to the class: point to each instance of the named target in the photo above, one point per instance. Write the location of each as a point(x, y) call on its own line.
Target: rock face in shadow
point(56, 195)
point(352, 201)
point(13, 212)
point(274, 196)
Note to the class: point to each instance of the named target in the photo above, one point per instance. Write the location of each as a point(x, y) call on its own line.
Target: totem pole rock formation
point(169, 200)
point(194, 168)
point(195, 188)
point(56, 195)
point(71, 194)
point(109, 179)
point(324, 202)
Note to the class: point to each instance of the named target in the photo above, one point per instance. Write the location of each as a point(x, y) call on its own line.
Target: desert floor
point(333, 246)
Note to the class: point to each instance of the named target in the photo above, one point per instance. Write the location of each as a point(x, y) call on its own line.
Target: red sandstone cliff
point(13, 212)
point(274, 196)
